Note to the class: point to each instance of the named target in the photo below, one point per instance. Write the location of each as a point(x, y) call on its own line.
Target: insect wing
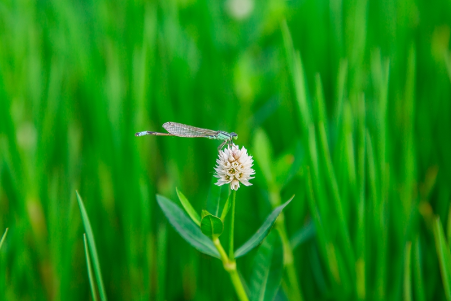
point(183, 130)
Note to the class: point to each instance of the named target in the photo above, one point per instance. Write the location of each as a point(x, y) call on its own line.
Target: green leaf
point(92, 247)
point(448, 228)
point(90, 272)
point(263, 155)
point(408, 273)
point(418, 284)
point(226, 208)
point(188, 208)
point(211, 225)
point(262, 232)
point(205, 213)
point(302, 235)
point(267, 270)
point(444, 256)
point(217, 196)
point(186, 227)
point(3, 238)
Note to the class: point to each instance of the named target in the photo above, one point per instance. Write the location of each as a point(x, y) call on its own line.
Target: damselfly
point(183, 130)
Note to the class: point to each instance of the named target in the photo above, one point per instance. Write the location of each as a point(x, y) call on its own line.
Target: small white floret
point(234, 166)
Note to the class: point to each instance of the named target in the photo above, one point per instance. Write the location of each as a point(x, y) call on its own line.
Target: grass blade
point(444, 256)
point(295, 65)
point(92, 247)
point(448, 228)
point(322, 238)
point(407, 273)
point(3, 238)
point(90, 272)
point(336, 198)
point(417, 272)
point(263, 155)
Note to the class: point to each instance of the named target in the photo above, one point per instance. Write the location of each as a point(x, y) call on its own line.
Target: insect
point(183, 130)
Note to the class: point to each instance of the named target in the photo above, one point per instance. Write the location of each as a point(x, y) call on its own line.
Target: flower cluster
point(234, 166)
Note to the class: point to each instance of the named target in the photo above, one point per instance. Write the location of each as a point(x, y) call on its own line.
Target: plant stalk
point(230, 267)
point(232, 226)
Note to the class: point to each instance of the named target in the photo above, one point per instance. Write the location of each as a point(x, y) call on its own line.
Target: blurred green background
point(352, 113)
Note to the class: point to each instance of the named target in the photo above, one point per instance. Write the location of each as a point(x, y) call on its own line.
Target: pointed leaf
point(444, 256)
point(264, 155)
point(90, 271)
point(3, 237)
point(188, 208)
point(262, 232)
point(408, 272)
point(418, 276)
point(267, 270)
point(92, 247)
point(204, 213)
point(216, 197)
point(186, 227)
point(226, 208)
point(211, 225)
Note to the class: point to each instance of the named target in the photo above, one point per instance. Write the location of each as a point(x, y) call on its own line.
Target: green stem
point(229, 261)
point(232, 226)
point(239, 288)
point(230, 267)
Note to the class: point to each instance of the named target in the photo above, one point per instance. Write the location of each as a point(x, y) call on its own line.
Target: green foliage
point(211, 225)
point(91, 251)
point(343, 103)
point(186, 227)
point(226, 208)
point(90, 270)
point(217, 197)
point(444, 256)
point(302, 235)
point(267, 269)
point(188, 208)
point(262, 232)
point(3, 238)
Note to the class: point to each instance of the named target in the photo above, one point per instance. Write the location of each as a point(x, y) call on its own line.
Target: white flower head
point(234, 166)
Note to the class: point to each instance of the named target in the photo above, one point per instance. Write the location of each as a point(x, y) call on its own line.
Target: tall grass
point(344, 103)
